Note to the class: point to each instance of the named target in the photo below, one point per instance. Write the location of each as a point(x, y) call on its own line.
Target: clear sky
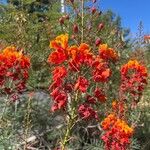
point(131, 12)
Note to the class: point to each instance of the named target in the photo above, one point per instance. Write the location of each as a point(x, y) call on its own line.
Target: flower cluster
point(117, 133)
point(133, 79)
point(14, 67)
point(75, 69)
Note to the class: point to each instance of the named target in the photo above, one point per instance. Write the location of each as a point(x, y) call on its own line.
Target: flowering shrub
point(14, 67)
point(78, 79)
point(74, 65)
point(86, 77)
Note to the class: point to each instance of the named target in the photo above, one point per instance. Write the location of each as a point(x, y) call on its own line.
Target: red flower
point(68, 87)
point(84, 55)
point(54, 93)
point(101, 72)
point(107, 53)
point(60, 44)
point(87, 112)
point(57, 57)
point(99, 94)
point(25, 62)
point(101, 75)
point(59, 98)
point(82, 84)
point(91, 99)
point(59, 72)
point(118, 107)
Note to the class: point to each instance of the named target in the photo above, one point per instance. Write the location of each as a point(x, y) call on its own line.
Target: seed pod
point(100, 26)
point(67, 17)
point(93, 10)
point(94, 1)
point(73, 37)
point(72, 1)
point(98, 41)
point(75, 28)
point(61, 21)
point(89, 27)
point(99, 13)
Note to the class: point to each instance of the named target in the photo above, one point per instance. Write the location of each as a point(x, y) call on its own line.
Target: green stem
point(82, 21)
point(70, 123)
point(68, 132)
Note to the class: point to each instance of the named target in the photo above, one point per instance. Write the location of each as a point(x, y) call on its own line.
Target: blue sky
point(131, 12)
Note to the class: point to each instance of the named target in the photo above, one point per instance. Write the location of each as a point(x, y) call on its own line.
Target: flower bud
point(99, 13)
point(98, 42)
point(94, 1)
point(93, 10)
point(73, 37)
point(100, 26)
point(61, 21)
point(68, 87)
point(72, 1)
point(89, 27)
point(75, 28)
point(67, 17)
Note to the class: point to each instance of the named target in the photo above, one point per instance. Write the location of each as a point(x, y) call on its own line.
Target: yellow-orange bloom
point(107, 53)
point(134, 64)
point(114, 104)
point(12, 53)
point(108, 121)
point(60, 41)
point(112, 121)
point(72, 51)
point(84, 48)
point(123, 127)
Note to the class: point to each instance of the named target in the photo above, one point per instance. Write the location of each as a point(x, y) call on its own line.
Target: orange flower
point(82, 84)
point(108, 121)
point(57, 57)
point(59, 73)
point(101, 72)
point(100, 95)
point(107, 53)
point(72, 51)
point(84, 48)
point(61, 42)
point(122, 125)
point(9, 49)
point(114, 104)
